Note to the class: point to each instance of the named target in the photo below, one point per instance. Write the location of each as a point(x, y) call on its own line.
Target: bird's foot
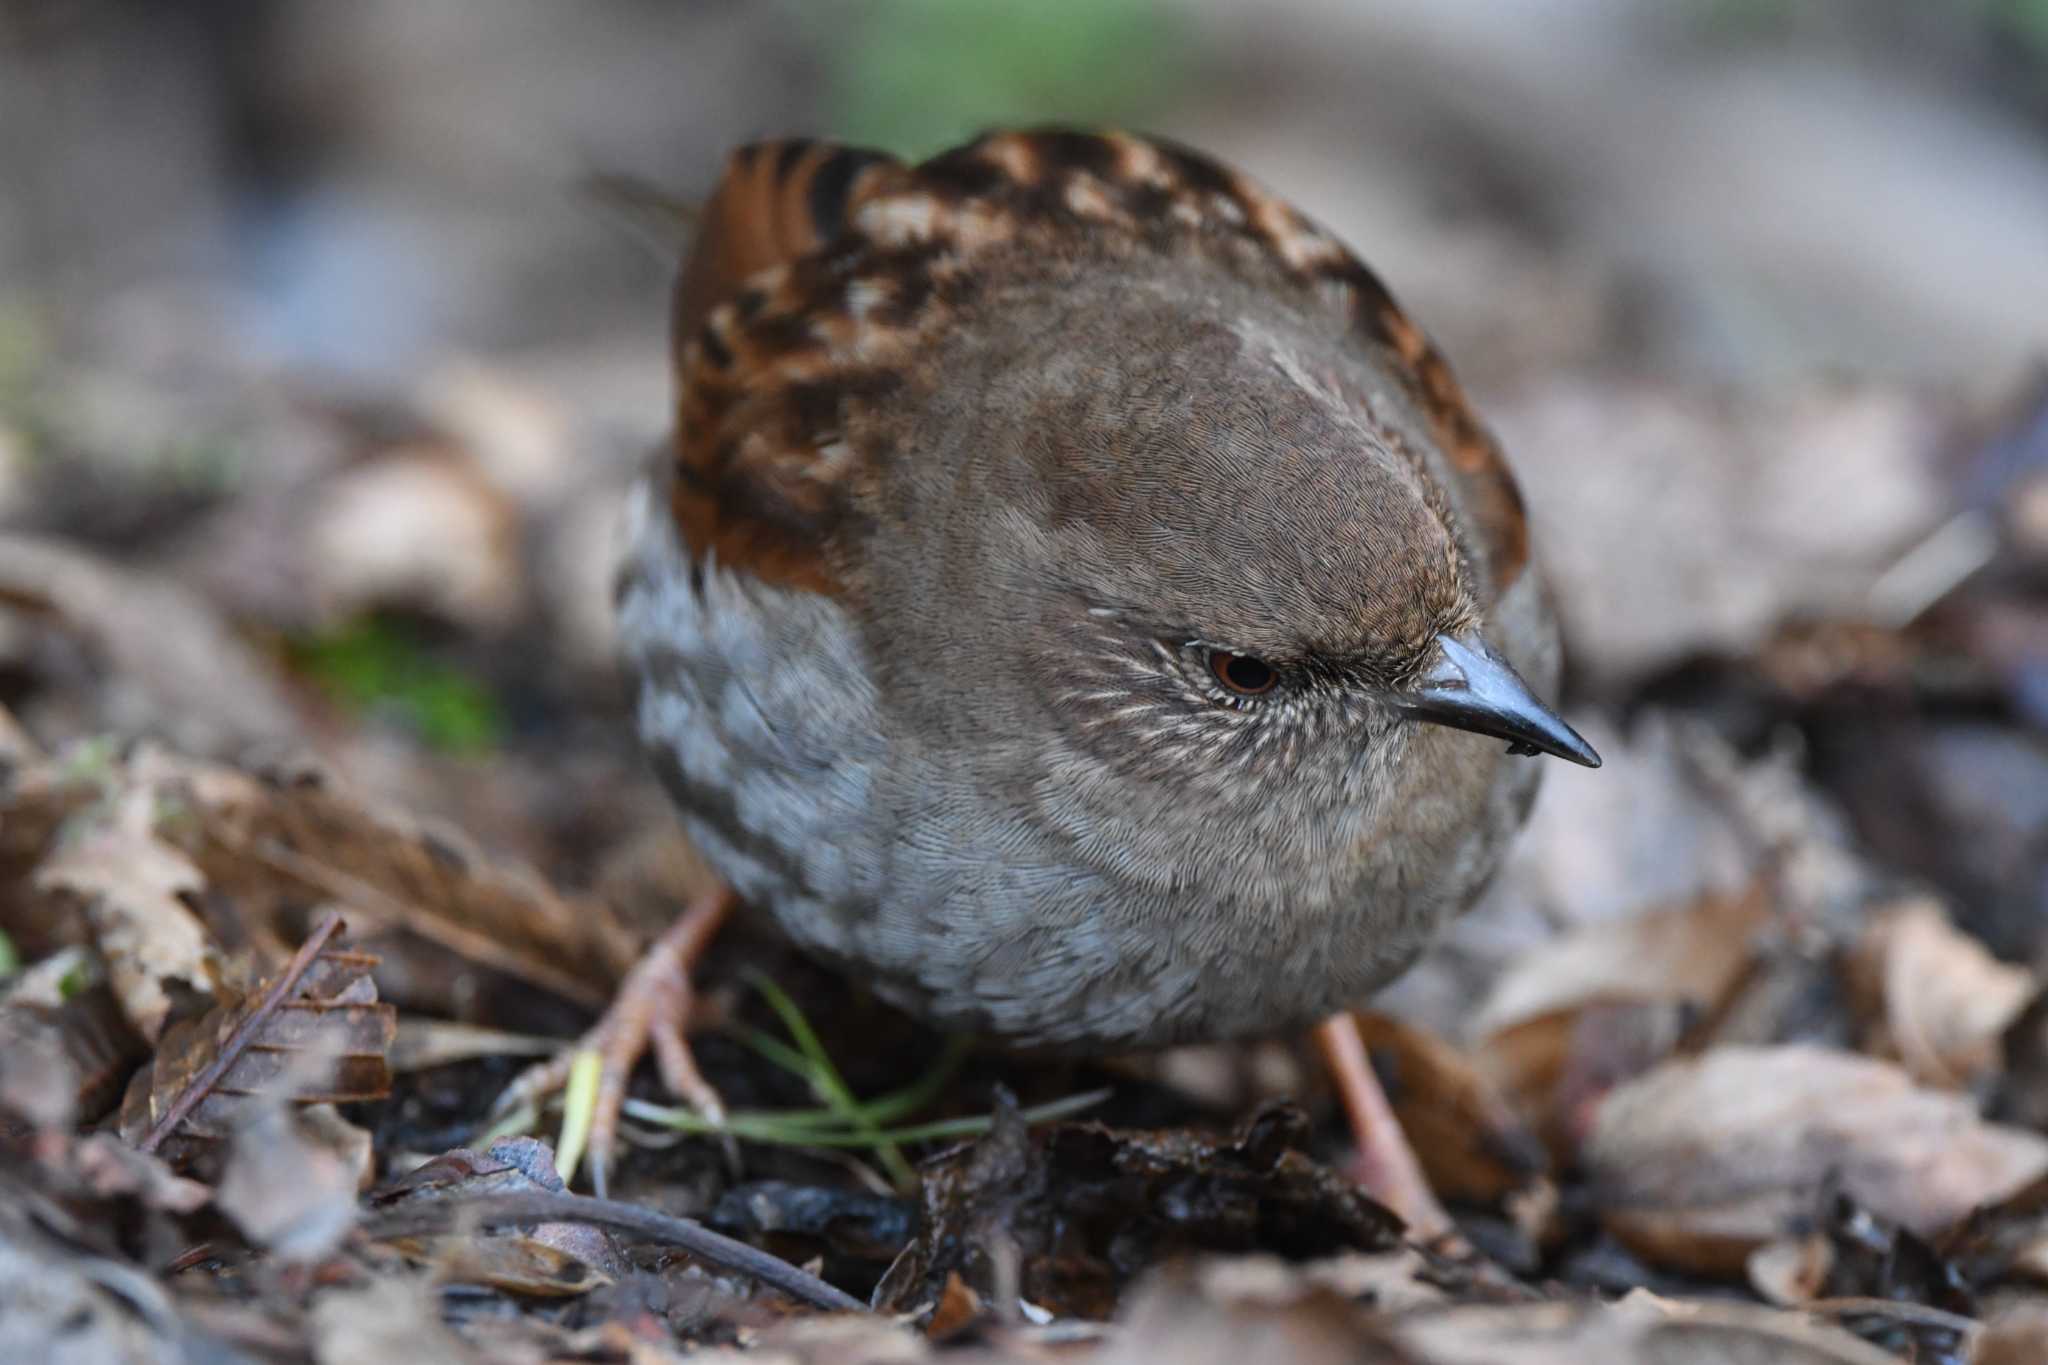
point(650, 1011)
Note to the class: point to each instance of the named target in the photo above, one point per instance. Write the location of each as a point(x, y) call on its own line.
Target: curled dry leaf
point(1704, 1159)
point(1791, 1270)
point(1932, 996)
point(131, 886)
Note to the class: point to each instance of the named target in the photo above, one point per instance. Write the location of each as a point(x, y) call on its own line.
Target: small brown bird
point(1078, 602)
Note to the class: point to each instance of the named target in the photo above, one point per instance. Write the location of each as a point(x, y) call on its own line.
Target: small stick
point(200, 1086)
point(698, 1240)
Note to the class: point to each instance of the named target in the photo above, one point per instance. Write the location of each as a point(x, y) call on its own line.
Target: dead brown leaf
point(1556, 1067)
point(58, 1303)
point(182, 671)
point(132, 887)
point(327, 1044)
point(2018, 1336)
point(1063, 1216)
point(1179, 1315)
point(65, 1061)
point(299, 831)
point(418, 527)
point(389, 1319)
point(292, 1177)
point(286, 839)
point(1703, 1160)
point(1640, 1330)
point(1213, 1313)
point(1932, 997)
point(1574, 1017)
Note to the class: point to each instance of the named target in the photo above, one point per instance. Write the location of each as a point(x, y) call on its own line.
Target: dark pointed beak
point(1473, 688)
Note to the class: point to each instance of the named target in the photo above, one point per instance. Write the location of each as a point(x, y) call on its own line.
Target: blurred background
point(321, 367)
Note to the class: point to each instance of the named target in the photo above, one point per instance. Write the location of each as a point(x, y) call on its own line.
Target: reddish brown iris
point(1241, 673)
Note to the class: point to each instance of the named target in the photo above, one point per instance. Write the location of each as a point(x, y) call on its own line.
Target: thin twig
point(280, 989)
point(694, 1238)
point(1919, 1314)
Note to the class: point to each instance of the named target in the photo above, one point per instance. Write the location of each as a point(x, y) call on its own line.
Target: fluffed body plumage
point(981, 467)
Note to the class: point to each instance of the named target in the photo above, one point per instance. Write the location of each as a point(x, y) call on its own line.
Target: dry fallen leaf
point(288, 838)
point(325, 1044)
point(1064, 1215)
point(1932, 996)
point(1212, 1313)
point(386, 1320)
point(1704, 1159)
point(67, 1061)
point(131, 886)
point(291, 1179)
point(301, 831)
point(182, 672)
point(1690, 952)
point(2018, 1336)
point(1730, 512)
point(60, 1304)
point(1640, 1330)
point(1575, 1017)
point(420, 528)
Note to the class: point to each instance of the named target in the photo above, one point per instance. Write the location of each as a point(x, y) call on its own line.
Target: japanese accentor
point(1077, 600)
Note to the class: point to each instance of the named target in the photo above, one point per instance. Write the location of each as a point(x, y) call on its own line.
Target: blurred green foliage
point(915, 76)
point(378, 666)
point(2026, 20)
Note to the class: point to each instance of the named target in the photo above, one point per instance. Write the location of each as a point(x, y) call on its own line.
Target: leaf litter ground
point(1744, 1057)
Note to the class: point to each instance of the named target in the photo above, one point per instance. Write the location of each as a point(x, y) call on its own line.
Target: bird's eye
point(1241, 673)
